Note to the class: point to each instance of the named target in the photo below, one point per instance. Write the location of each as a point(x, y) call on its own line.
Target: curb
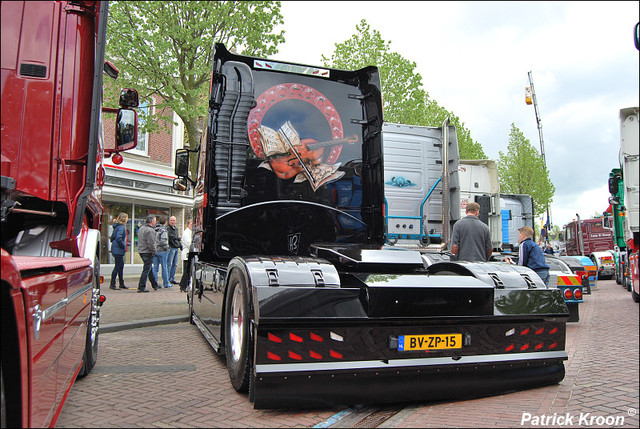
point(133, 324)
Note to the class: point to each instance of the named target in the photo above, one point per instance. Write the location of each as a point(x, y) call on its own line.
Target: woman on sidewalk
point(118, 249)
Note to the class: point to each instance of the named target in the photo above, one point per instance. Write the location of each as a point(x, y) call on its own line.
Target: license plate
point(429, 342)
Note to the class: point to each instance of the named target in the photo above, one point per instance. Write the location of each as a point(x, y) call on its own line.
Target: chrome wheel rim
point(236, 330)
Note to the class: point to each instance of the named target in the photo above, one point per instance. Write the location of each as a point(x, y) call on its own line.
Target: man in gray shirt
point(471, 239)
point(147, 248)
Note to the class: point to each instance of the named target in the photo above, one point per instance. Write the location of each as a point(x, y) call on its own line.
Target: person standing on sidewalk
point(471, 238)
point(147, 249)
point(162, 251)
point(186, 244)
point(174, 249)
point(118, 249)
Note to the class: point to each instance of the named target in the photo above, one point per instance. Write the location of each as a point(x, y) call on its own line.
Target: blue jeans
point(147, 259)
point(544, 275)
point(118, 270)
point(172, 260)
point(161, 258)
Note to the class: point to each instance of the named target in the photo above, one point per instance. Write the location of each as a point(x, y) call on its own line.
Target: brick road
point(167, 376)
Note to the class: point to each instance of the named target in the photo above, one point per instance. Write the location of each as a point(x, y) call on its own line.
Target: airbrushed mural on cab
point(298, 133)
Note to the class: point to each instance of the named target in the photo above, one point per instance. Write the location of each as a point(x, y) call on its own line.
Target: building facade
point(142, 185)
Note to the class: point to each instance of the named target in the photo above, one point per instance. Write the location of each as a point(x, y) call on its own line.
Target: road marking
point(335, 418)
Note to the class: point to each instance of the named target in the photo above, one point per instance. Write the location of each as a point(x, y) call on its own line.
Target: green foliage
point(404, 99)
point(522, 171)
point(164, 49)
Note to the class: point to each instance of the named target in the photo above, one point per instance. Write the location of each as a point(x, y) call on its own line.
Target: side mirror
point(181, 184)
point(129, 98)
point(126, 130)
point(605, 221)
point(111, 70)
point(613, 185)
point(182, 163)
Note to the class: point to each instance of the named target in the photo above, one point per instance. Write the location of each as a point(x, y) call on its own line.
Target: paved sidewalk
point(126, 308)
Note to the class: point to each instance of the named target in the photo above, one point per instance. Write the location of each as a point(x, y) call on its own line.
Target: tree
point(522, 171)
point(165, 48)
point(404, 99)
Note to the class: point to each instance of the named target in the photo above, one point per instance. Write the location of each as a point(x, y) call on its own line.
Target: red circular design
point(294, 91)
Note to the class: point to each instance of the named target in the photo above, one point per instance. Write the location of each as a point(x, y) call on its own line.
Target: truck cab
point(52, 176)
point(289, 275)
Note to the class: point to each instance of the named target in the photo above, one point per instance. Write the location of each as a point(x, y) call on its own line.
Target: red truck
point(594, 240)
point(52, 175)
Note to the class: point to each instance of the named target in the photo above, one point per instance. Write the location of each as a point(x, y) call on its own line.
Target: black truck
point(290, 279)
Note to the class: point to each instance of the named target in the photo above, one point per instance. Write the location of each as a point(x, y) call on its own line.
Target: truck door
point(46, 307)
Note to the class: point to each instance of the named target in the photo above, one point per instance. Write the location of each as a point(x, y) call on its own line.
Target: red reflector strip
point(295, 338)
point(539, 331)
point(554, 345)
point(295, 356)
point(525, 347)
point(335, 354)
point(525, 332)
point(553, 331)
point(509, 348)
point(315, 355)
point(274, 338)
point(539, 346)
point(273, 356)
point(315, 337)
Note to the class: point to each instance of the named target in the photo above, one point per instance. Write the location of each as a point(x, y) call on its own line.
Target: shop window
point(111, 211)
point(140, 218)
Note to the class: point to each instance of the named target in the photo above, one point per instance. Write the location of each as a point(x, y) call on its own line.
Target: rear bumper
point(377, 382)
point(607, 272)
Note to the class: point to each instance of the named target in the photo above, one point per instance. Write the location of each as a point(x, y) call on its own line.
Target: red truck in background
point(52, 175)
point(592, 238)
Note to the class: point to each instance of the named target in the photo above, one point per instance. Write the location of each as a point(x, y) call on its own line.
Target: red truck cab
point(52, 175)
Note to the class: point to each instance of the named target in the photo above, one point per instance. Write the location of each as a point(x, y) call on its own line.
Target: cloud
point(474, 58)
point(586, 203)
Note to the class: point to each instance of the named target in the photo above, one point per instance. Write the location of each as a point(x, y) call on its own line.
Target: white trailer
point(414, 178)
point(629, 163)
point(630, 170)
point(503, 213)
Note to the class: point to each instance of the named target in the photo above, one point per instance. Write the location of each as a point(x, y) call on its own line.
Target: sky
point(474, 59)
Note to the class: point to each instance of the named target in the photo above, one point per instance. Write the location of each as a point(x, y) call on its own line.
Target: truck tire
point(635, 296)
point(90, 356)
point(238, 344)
